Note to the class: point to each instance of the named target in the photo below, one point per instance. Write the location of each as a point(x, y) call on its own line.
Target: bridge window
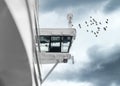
point(44, 43)
point(55, 43)
point(66, 40)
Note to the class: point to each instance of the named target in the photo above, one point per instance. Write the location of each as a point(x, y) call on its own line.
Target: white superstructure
point(55, 44)
point(42, 45)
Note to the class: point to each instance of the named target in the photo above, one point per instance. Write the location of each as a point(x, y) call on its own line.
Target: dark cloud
point(103, 70)
point(14, 66)
point(58, 5)
point(104, 67)
point(112, 6)
point(50, 5)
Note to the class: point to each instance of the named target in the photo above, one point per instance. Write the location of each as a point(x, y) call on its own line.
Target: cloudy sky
point(97, 59)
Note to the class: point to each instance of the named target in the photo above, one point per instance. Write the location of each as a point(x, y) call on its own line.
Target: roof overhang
point(58, 32)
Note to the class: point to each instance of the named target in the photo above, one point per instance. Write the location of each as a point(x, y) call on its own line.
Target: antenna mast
point(69, 18)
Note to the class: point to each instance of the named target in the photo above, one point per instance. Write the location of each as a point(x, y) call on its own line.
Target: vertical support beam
point(35, 54)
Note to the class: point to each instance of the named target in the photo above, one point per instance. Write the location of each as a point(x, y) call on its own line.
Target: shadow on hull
point(14, 65)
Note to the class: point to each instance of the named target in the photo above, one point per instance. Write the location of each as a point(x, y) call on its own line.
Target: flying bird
point(97, 32)
point(104, 28)
point(91, 31)
point(97, 24)
point(90, 16)
point(100, 23)
point(90, 20)
point(79, 26)
point(106, 22)
point(94, 33)
point(91, 24)
point(85, 22)
point(98, 28)
point(94, 20)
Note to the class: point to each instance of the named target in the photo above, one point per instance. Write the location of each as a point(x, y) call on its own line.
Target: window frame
point(61, 41)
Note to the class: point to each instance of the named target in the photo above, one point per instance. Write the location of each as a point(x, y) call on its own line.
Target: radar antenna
point(69, 18)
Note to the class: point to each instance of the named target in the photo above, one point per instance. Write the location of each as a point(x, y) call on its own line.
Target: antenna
point(69, 18)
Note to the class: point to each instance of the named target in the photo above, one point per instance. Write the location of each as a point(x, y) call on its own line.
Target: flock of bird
point(96, 24)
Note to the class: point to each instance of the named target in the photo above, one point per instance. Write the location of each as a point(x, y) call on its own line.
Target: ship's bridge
point(55, 44)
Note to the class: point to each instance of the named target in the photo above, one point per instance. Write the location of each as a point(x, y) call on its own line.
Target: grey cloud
point(104, 67)
point(61, 5)
point(112, 6)
point(51, 5)
point(102, 70)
